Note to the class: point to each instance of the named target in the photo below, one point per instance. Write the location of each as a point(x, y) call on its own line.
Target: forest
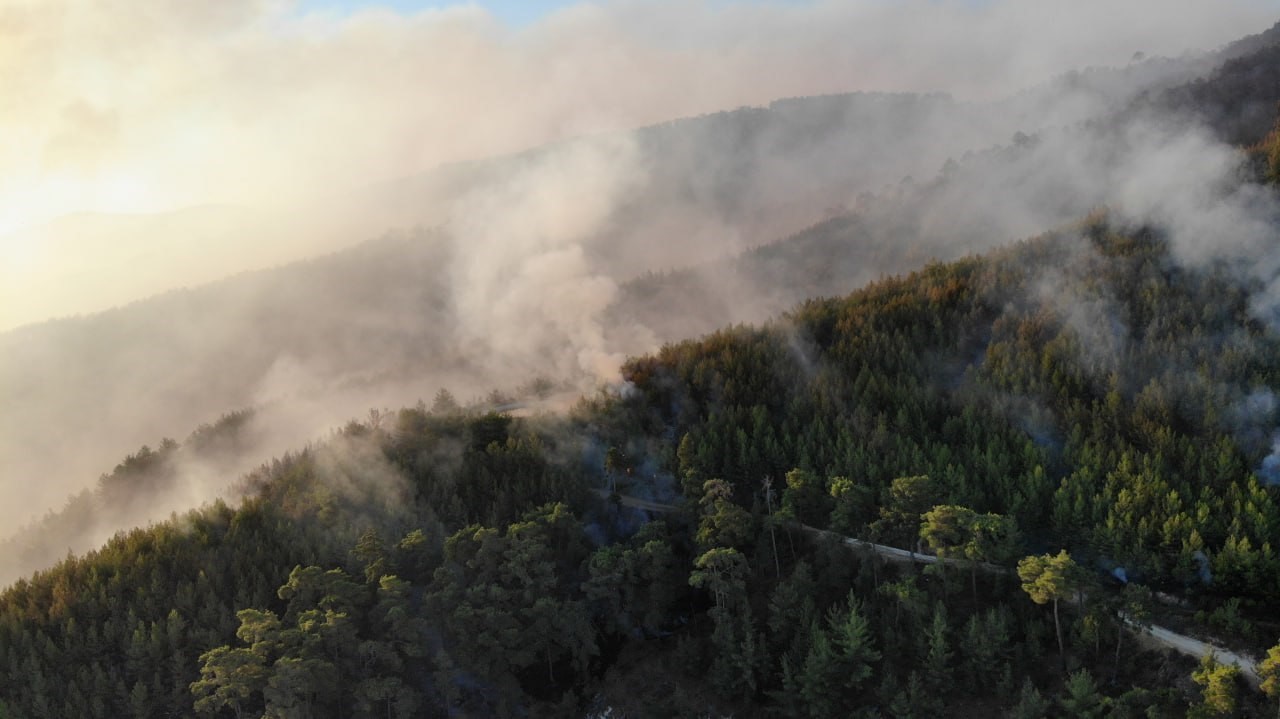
point(1082, 440)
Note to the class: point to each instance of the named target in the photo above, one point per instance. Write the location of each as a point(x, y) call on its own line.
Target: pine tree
point(1218, 687)
point(937, 663)
point(1269, 674)
point(1048, 578)
point(1031, 703)
point(1081, 698)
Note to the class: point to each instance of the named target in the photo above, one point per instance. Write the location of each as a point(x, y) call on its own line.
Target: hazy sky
point(513, 13)
point(146, 107)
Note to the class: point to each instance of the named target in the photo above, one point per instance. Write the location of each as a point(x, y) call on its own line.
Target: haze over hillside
point(263, 105)
point(542, 264)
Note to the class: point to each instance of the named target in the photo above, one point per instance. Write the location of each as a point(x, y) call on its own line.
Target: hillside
point(632, 408)
point(1081, 387)
point(408, 310)
point(809, 196)
point(313, 343)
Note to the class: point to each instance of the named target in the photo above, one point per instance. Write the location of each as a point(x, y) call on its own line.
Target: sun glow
point(125, 191)
point(117, 190)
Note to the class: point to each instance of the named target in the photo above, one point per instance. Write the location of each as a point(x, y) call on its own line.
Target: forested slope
point(1080, 391)
point(406, 305)
point(1115, 402)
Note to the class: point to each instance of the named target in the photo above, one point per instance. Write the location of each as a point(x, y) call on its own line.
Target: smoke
point(287, 114)
point(1254, 420)
point(522, 283)
point(1093, 316)
point(1186, 181)
point(533, 264)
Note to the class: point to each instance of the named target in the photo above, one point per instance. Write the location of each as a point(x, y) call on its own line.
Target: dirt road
point(1153, 635)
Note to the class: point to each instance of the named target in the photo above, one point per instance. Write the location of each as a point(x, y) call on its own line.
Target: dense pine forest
point(1079, 391)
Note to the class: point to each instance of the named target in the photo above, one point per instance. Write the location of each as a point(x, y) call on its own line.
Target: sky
point(513, 13)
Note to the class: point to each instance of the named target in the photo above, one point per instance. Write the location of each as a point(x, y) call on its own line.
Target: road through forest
point(1152, 635)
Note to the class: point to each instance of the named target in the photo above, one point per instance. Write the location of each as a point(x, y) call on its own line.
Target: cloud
point(84, 138)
